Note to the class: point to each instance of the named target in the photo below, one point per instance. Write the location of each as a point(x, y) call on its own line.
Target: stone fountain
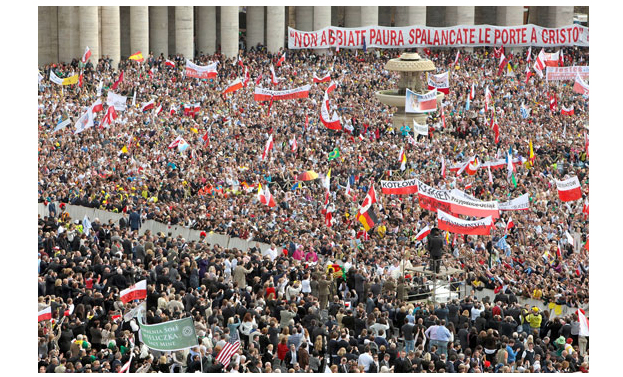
point(412, 70)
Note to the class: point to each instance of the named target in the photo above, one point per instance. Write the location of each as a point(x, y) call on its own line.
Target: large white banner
point(200, 71)
point(423, 36)
point(518, 204)
point(262, 94)
point(117, 101)
point(566, 73)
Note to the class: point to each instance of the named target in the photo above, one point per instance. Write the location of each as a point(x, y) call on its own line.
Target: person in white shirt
point(365, 359)
point(271, 252)
point(306, 284)
point(476, 312)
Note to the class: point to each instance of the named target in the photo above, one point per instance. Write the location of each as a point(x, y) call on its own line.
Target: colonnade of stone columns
point(119, 31)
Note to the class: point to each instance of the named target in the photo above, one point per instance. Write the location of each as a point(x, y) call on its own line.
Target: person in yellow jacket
point(534, 318)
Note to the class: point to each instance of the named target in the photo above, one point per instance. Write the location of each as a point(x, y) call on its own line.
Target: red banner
point(423, 36)
point(453, 224)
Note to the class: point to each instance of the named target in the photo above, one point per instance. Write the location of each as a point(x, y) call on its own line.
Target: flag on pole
point(443, 167)
point(62, 124)
point(169, 63)
point(502, 65)
point(472, 92)
point(348, 194)
point(293, 144)
point(529, 57)
point(539, 63)
point(148, 105)
point(490, 176)
point(567, 110)
point(126, 367)
point(247, 77)
point(487, 98)
point(402, 158)
point(281, 59)
point(366, 215)
point(364, 45)
point(109, 117)
point(532, 156)
point(86, 55)
point(423, 233)
point(268, 147)
point(224, 357)
point(232, 87)
point(119, 80)
point(553, 102)
point(264, 196)
point(456, 59)
point(509, 225)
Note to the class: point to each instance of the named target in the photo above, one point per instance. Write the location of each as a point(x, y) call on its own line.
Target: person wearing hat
point(534, 318)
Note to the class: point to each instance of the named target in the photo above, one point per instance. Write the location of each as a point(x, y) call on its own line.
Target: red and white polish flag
point(172, 110)
point(443, 167)
point(583, 322)
point(137, 291)
point(569, 190)
point(109, 117)
point(293, 144)
point(86, 55)
point(332, 123)
point(567, 110)
point(273, 77)
point(158, 110)
point(247, 77)
point(326, 78)
point(423, 233)
point(268, 147)
point(169, 63)
point(331, 87)
point(175, 142)
point(510, 224)
point(539, 63)
point(232, 87)
point(579, 86)
point(97, 106)
point(456, 60)
point(266, 197)
point(472, 92)
point(147, 106)
point(45, 314)
point(281, 60)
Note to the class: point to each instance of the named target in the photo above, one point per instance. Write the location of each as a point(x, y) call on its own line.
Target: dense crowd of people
point(291, 313)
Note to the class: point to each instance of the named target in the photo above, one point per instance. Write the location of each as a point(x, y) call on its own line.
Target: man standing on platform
point(435, 248)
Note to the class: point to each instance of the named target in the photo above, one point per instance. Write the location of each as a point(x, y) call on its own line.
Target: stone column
point(68, 34)
point(369, 16)
point(255, 26)
point(410, 16)
point(385, 16)
point(322, 19)
point(560, 16)
point(435, 16)
point(47, 37)
point(486, 15)
point(159, 30)
point(352, 17)
point(125, 32)
point(111, 34)
point(229, 31)
point(337, 15)
point(275, 28)
point(89, 36)
point(510, 16)
point(304, 18)
point(139, 30)
point(459, 16)
point(206, 30)
point(171, 26)
point(184, 31)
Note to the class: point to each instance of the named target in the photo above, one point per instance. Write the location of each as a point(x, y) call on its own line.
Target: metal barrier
point(78, 213)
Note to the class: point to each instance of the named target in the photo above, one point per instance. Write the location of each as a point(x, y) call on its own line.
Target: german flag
point(368, 219)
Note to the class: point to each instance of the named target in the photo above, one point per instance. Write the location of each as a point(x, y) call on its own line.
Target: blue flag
point(364, 45)
point(524, 111)
point(467, 104)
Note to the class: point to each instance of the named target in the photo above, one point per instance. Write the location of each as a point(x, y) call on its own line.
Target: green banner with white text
point(170, 336)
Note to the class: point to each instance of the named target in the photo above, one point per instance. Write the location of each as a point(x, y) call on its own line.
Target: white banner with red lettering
point(440, 81)
point(423, 36)
point(432, 199)
point(518, 204)
point(409, 186)
point(200, 71)
point(421, 103)
point(569, 190)
point(566, 73)
point(262, 94)
point(453, 224)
